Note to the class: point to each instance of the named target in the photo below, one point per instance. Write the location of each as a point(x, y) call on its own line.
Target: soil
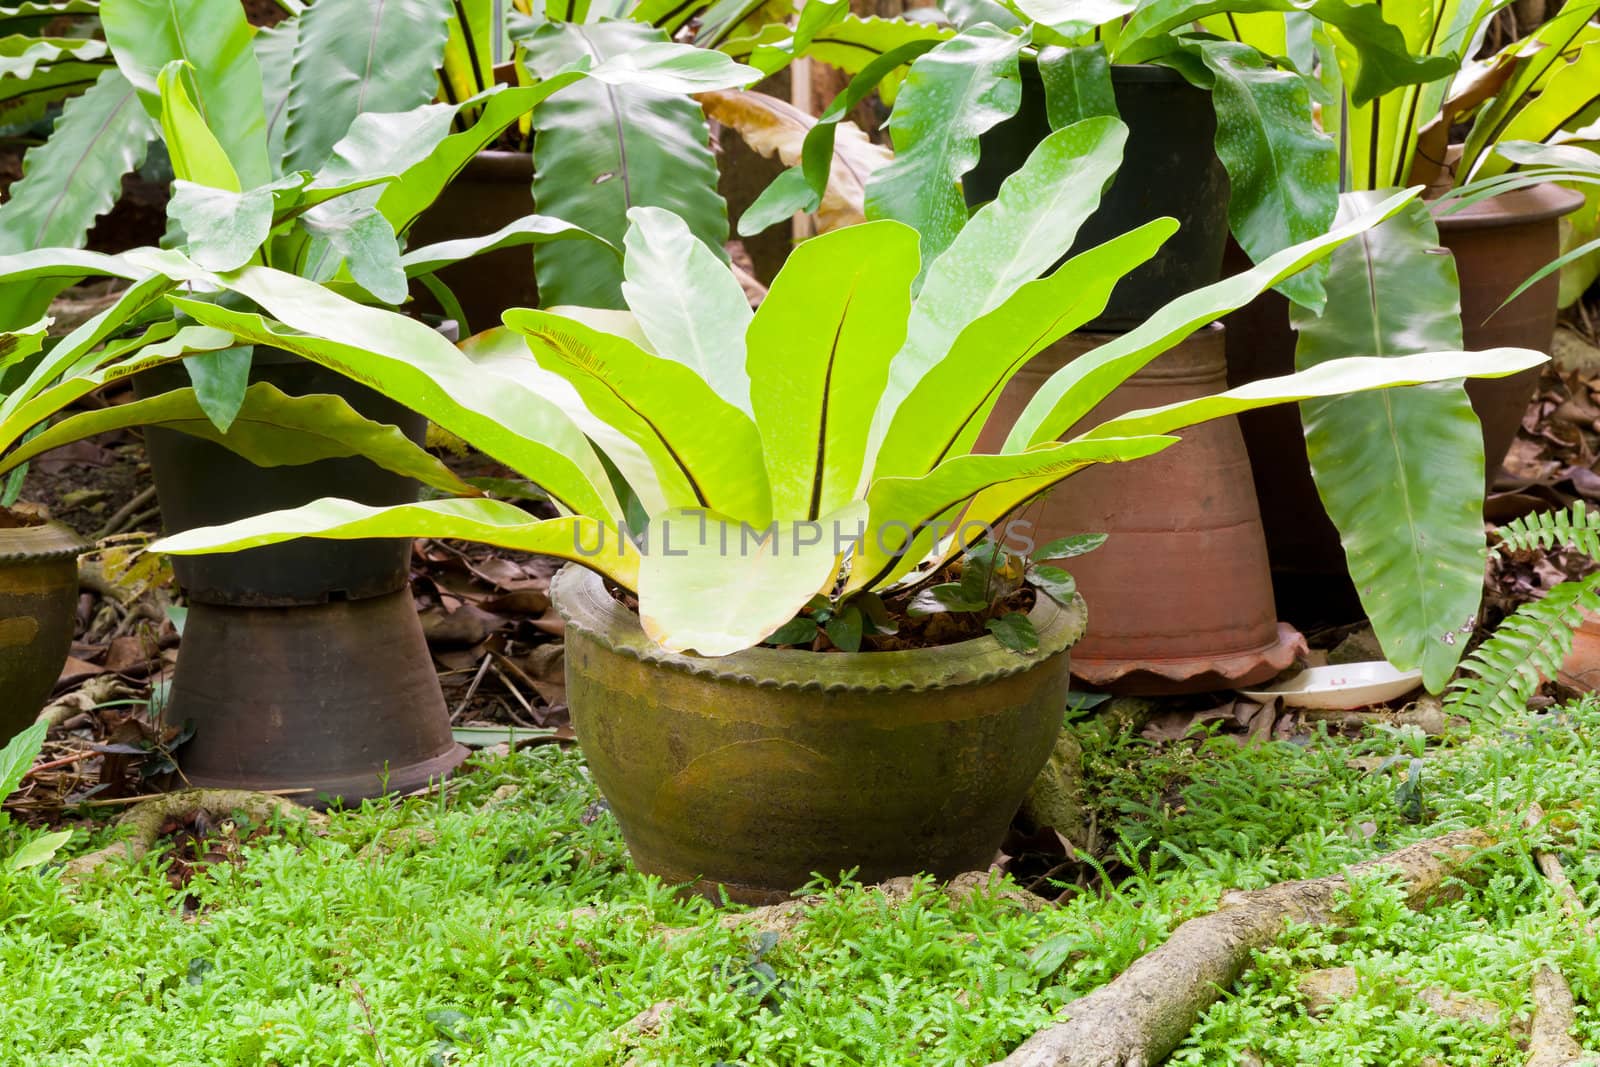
point(910, 631)
point(88, 483)
point(264, 12)
point(138, 219)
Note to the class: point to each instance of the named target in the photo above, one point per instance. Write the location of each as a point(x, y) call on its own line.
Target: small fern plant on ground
point(1502, 674)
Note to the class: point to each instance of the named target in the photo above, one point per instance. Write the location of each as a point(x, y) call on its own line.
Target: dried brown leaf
point(773, 127)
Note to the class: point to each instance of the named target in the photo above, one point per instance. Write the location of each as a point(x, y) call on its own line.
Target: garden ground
point(499, 921)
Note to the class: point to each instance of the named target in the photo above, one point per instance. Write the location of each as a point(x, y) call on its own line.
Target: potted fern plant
point(587, 154)
point(1527, 92)
point(1221, 134)
point(337, 693)
point(809, 480)
point(38, 594)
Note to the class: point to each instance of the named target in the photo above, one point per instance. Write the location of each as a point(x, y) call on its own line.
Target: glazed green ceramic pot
point(754, 771)
point(38, 600)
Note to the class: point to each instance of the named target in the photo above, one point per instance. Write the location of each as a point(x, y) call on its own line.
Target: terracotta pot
point(1497, 244)
point(496, 188)
point(1169, 168)
point(340, 699)
point(753, 771)
point(1310, 582)
point(1581, 669)
point(38, 602)
point(1180, 597)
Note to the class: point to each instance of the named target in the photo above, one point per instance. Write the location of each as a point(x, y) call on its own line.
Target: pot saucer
point(1169, 677)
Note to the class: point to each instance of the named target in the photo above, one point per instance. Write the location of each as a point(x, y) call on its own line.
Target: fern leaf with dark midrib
point(602, 149)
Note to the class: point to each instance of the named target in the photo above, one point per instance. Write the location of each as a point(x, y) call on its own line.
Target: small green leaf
point(1068, 547)
point(220, 380)
point(1408, 795)
point(224, 228)
point(1053, 582)
point(875, 612)
point(797, 631)
point(1077, 84)
point(366, 242)
point(195, 152)
point(789, 193)
point(1015, 631)
point(38, 851)
point(844, 629)
point(946, 597)
point(987, 574)
point(18, 756)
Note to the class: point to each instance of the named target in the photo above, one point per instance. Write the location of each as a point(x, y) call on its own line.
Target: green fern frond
point(1577, 528)
point(1499, 676)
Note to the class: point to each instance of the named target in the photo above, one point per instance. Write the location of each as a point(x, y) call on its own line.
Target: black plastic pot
point(494, 189)
point(1169, 168)
point(204, 484)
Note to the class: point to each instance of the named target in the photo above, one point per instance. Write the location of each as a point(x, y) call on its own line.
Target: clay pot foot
point(337, 699)
point(1171, 677)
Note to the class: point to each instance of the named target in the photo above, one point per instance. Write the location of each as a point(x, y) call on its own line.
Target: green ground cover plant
point(499, 923)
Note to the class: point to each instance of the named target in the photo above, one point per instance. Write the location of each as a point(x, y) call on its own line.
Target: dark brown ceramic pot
point(1180, 595)
point(338, 699)
point(200, 483)
point(38, 599)
point(1497, 243)
point(750, 773)
point(303, 665)
point(495, 189)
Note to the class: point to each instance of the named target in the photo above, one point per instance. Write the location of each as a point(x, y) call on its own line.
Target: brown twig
point(117, 802)
point(513, 690)
point(472, 690)
point(366, 1011)
point(145, 820)
point(123, 517)
point(64, 761)
point(1550, 1041)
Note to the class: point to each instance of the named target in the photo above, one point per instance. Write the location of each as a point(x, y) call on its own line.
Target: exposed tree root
point(1550, 1042)
point(96, 691)
point(1549, 865)
point(146, 818)
point(1142, 1015)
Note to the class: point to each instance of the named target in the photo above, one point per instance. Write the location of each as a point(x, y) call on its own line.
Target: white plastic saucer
point(1344, 686)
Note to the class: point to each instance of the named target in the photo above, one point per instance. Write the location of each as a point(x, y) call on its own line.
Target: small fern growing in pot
point(1533, 643)
point(814, 458)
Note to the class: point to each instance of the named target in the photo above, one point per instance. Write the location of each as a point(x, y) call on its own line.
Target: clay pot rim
point(583, 601)
point(42, 542)
point(499, 165)
point(1127, 73)
point(1519, 207)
